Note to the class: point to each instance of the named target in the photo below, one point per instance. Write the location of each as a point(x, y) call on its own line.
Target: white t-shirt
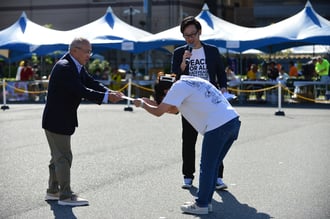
point(200, 103)
point(197, 64)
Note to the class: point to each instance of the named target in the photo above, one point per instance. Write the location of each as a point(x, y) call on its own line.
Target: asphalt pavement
point(128, 165)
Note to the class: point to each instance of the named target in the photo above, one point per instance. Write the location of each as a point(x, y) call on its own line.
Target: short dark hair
point(162, 84)
point(190, 20)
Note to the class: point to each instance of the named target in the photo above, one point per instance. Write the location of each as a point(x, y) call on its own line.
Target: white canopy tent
point(304, 28)
point(110, 32)
point(214, 30)
point(25, 36)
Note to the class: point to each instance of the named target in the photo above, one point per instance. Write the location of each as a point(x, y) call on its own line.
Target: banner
point(15, 91)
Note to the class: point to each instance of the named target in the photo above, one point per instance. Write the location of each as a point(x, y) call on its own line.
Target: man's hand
point(115, 96)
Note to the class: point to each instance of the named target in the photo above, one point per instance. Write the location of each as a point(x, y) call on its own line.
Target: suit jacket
point(213, 62)
point(66, 89)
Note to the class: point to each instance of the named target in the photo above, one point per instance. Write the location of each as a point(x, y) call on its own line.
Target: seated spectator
point(308, 69)
point(232, 79)
point(272, 71)
point(283, 76)
point(293, 71)
point(253, 74)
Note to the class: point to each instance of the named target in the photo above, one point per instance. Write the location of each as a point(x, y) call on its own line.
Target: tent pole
point(240, 63)
point(128, 107)
point(279, 101)
point(4, 106)
point(9, 67)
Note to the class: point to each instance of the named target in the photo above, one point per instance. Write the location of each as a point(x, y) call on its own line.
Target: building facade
point(151, 15)
point(159, 16)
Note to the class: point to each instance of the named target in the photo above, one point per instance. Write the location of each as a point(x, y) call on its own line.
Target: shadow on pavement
point(60, 211)
point(230, 208)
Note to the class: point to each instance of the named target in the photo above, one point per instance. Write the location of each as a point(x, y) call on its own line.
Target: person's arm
point(153, 108)
point(109, 95)
point(91, 83)
point(221, 75)
point(178, 65)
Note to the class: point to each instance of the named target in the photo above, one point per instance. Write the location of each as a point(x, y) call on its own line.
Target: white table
point(317, 85)
point(270, 95)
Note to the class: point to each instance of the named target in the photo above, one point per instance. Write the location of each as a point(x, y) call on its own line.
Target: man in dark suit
point(201, 60)
point(69, 83)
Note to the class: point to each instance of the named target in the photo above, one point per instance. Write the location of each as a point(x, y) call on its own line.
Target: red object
point(26, 74)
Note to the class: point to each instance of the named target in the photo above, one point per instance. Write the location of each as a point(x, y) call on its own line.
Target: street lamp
point(131, 11)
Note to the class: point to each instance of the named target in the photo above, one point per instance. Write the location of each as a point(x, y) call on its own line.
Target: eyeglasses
point(167, 78)
point(87, 51)
point(192, 35)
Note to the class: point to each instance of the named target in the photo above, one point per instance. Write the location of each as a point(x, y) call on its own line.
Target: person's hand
point(138, 102)
point(149, 101)
point(173, 110)
point(115, 96)
point(186, 55)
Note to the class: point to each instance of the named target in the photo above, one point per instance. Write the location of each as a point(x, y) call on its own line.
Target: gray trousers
point(60, 164)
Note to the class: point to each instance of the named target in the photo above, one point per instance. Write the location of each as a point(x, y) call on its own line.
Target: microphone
point(189, 48)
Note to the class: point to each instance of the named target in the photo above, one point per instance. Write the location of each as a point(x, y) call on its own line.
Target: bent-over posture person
point(209, 112)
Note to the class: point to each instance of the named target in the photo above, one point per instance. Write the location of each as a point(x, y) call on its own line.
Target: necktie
point(81, 74)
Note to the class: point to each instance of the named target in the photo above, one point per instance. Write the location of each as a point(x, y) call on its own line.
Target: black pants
point(189, 138)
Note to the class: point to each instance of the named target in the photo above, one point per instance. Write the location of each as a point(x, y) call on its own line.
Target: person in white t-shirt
point(209, 112)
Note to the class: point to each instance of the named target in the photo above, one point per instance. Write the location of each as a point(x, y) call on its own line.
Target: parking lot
point(128, 165)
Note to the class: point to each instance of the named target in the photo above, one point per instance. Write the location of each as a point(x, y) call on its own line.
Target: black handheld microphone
point(189, 48)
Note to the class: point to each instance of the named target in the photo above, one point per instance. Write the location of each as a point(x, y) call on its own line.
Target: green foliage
point(97, 64)
point(50, 26)
point(34, 59)
point(48, 60)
